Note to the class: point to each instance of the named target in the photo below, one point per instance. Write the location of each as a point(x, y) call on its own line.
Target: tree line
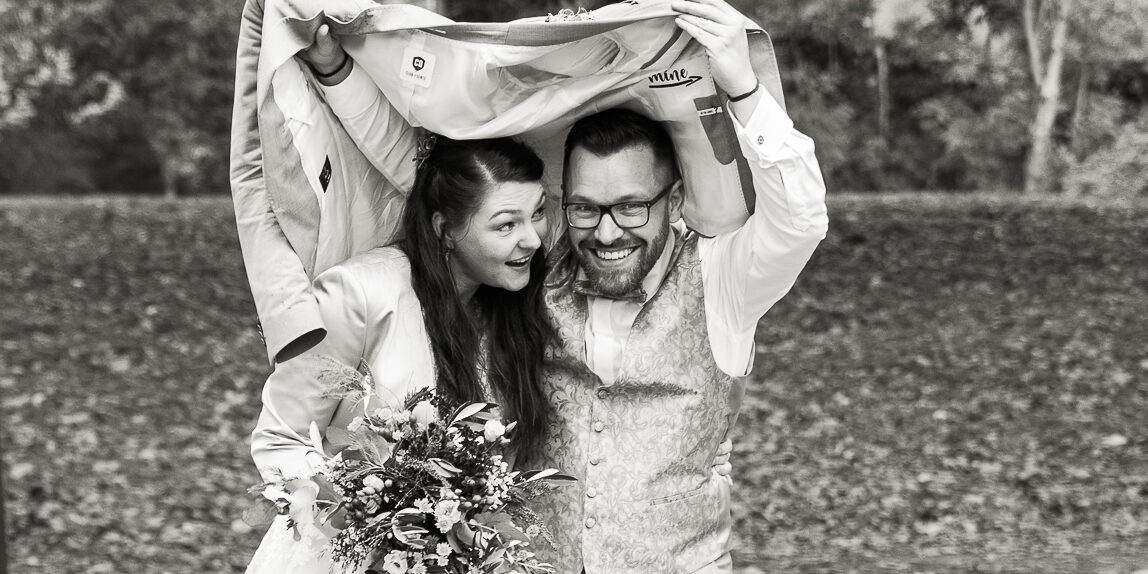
point(1033, 96)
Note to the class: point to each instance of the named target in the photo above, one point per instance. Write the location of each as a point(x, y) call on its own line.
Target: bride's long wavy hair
point(453, 180)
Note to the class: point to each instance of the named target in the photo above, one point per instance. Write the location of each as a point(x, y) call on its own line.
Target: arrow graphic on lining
point(686, 82)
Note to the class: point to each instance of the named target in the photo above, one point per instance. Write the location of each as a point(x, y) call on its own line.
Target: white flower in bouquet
point(395, 562)
point(447, 514)
point(493, 430)
point(423, 415)
point(374, 482)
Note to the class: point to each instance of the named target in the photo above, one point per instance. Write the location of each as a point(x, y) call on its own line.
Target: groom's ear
point(676, 200)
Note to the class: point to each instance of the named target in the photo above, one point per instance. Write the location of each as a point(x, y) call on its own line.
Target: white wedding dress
point(280, 553)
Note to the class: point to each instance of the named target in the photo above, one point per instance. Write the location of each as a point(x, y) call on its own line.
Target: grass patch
point(955, 384)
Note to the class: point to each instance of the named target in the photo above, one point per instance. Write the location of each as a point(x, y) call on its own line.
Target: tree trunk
point(1080, 110)
point(170, 177)
point(1038, 164)
point(987, 53)
point(1032, 41)
point(881, 51)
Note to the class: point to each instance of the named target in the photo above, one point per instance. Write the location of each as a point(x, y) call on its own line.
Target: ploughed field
point(955, 384)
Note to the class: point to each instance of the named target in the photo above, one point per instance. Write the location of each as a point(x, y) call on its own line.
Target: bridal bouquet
point(423, 490)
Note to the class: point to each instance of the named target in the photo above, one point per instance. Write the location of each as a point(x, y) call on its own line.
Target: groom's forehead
point(621, 175)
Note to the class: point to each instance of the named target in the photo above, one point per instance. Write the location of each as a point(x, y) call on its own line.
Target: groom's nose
point(607, 231)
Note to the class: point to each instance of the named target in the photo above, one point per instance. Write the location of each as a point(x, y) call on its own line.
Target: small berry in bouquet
point(425, 489)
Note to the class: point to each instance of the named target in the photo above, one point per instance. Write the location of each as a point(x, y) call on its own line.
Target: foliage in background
point(954, 385)
point(135, 96)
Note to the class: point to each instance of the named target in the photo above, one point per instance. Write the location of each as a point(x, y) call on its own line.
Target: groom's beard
point(619, 282)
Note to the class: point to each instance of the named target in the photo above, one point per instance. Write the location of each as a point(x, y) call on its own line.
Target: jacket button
point(599, 426)
point(590, 523)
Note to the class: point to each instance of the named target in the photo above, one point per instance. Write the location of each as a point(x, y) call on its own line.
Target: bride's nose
point(530, 239)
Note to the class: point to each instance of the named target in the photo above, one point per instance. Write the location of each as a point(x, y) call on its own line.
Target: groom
point(656, 324)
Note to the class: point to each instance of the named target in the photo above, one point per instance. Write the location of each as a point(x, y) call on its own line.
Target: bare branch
point(1032, 39)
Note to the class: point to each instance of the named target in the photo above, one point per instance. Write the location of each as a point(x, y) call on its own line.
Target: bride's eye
point(509, 225)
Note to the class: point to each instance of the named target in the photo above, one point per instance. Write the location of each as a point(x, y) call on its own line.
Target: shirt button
point(599, 426)
point(590, 523)
point(760, 140)
point(591, 493)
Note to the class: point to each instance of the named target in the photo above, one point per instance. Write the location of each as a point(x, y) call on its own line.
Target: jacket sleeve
point(288, 315)
point(295, 395)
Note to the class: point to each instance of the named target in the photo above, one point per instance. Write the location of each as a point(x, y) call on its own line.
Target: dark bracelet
point(343, 64)
point(745, 95)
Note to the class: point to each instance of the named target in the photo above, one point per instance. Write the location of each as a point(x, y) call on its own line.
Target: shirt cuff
point(766, 131)
point(354, 95)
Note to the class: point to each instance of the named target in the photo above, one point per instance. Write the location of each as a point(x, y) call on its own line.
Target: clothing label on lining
point(325, 175)
point(418, 67)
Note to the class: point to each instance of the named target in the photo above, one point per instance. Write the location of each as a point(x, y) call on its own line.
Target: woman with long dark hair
point(455, 306)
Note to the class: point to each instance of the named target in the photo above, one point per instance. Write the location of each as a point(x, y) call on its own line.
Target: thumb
point(324, 41)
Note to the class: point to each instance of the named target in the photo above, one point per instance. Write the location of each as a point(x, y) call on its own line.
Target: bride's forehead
point(513, 195)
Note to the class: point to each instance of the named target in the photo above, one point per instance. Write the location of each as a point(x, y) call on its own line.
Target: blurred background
point(957, 383)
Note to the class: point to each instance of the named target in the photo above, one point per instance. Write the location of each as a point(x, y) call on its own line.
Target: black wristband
point(745, 95)
point(343, 64)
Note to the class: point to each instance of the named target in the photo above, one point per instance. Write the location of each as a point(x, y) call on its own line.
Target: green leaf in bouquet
point(495, 559)
point(461, 538)
point(370, 447)
point(443, 468)
point(259, 513)
point(549, 474)
point(503, 524)
point(317, 439)
point(468, 411)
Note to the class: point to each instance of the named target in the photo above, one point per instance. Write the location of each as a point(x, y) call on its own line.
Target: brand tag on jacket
point(325, 175)
point(418, 67)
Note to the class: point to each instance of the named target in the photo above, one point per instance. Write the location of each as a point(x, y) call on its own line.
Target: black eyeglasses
point(626, 215)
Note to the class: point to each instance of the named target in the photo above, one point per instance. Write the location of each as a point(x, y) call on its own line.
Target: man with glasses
point(656, 324)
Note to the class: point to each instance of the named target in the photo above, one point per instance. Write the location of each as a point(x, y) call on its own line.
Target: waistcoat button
point(599, 426)
point(603, 393)
point(590, 492)
point(590, 523)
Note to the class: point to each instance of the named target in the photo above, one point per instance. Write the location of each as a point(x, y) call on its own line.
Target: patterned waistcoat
point(642, 447)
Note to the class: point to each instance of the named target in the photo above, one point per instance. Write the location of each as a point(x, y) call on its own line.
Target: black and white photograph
point(530, 287)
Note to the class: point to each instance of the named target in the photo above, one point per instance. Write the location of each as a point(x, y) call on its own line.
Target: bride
point(455, 306)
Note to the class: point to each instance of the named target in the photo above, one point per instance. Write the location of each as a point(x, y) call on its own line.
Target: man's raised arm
point(288, 314)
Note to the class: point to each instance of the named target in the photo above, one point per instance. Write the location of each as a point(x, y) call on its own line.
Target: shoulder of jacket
point(379, 269)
